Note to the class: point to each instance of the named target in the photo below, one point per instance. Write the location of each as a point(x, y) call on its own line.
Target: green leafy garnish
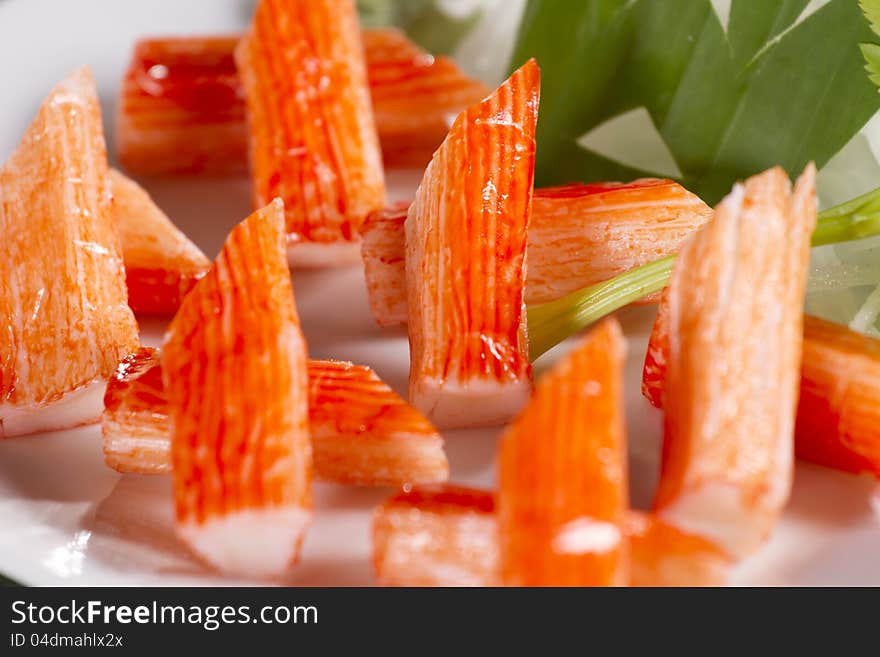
point(423, 20)
point(871, 51)
point(770, 89)
point(551, 323)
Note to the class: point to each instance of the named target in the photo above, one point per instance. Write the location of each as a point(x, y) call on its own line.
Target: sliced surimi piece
point(838, 421)
point(383, 249)
point(135, 426)
point(448, 536)
point(66, 321)
point(562, 473)
point(182, 108)
point(415, 95)
point(465, 262)
point(579, 235)
point(161, 263)
point(734, 328)
point(362, 432)
point(838, 412)
point(585, 234)
point(313, 138)
point(234, 368)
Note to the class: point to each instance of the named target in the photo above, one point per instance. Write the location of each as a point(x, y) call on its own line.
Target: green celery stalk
point(551, 323)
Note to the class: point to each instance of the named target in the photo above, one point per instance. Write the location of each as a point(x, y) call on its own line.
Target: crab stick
point(234, 371)
point(313, 139)
point(448, 536)
point(579, 235)
point(838, 421)
point(465, 262)
point(383, 249)
point(161, 263)
point(182, 107)
point(362, 432)
point(837, 416)
point(63, 307)
point(734, 328)
point(562, 473)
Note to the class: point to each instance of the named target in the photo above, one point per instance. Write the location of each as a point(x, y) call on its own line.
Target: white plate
point(67, 519)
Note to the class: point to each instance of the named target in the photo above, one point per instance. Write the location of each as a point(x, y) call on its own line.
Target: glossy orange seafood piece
point(734, 326)
point(448, 536)
point(838, 420)
point(234, 369)
point(62, 283)
point(161, 263)
point(383, 249)
point(465, 262)
point(654, 370)
point(362, 432)
point(313, 138)
point(415, 96)
point(585, 234)
point(135, 428)
point(562, 473)
point(579, 235)
point(182, 107)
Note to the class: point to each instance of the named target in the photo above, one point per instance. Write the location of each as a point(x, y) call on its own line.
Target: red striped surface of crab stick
point(585, 234)
point(562, 473)
point(838, 421)
point(234, 368)
point(161, 263)
point(362, 432)
point(313, 139)
point(579, 235)
point(416, 96)
point(63, 307)
point(465, 262)
point(135, 425)
point(448, 536)
point(182, 107)
point(734, 327)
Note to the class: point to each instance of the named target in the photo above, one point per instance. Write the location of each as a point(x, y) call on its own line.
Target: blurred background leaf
point(438, 26)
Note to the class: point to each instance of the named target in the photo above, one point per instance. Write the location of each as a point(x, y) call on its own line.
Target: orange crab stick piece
point(562, 473)
point(362, 432)
point(579, 235)
point(437, 536)
point(161, 263)
point(448, 536)
point(313, 138)
point(838, 421)
point(63, 308)
point(383, 249)
point(585, 234)
point(234, 368)
point(465, 262)
point(734, 329)
point(654, 370)
point(182, 107)
point(837, 416)
point(135, 427)
point(415, 96)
